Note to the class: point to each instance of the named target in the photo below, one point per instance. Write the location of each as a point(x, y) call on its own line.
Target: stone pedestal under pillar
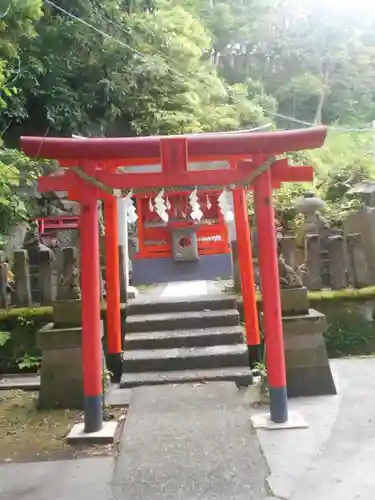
point(61, 375)
point(307, 366)
point(61, 379)
point(308, 372)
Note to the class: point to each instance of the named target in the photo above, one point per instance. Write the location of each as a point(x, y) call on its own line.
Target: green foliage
point(349, 333)
point(168, 66)
point(18, 349)
point(43, 314)
point(27, 362)
point(344, 160)
point(4, 337)
point(318, 63)
point(18, 337)
point(147, 77)
point(260, 369)
point(17, 22)
point(18, 175)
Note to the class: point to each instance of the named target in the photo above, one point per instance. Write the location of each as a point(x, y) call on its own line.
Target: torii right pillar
point(269, 271)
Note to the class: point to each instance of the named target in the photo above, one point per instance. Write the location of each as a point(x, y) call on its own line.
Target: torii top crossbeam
point(173, 153)
point(147, 149)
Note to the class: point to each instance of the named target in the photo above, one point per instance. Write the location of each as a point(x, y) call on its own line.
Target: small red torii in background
point(91, 166)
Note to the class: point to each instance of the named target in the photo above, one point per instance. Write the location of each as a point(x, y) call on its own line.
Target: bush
point(349, 332)
point(18, 337)
point(18, 329)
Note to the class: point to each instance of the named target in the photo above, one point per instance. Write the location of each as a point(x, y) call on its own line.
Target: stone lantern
point(308, 206)
point(365, 191)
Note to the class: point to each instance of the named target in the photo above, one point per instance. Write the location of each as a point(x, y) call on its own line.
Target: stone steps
point(185, 358)
point(239, 374)
point(180, 340)
point(177, 320)
point(214, 303)
point(221, 335)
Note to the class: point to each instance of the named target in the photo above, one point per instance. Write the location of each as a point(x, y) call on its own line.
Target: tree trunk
point(319, 109)
point(215, 57)
point(322, 99)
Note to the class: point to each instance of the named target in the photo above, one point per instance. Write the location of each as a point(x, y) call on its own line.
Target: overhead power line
point(329, 127)
point(91, 26)
point(2, 16)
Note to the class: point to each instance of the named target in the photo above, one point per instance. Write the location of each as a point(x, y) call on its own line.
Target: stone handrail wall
point(332, 261)
point(49, 278)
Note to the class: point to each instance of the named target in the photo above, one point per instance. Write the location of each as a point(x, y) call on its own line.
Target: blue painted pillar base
point(93, 413)
point(278, 405)
point(114, 366)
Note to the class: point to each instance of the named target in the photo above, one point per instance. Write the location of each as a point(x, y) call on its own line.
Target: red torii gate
point(91, 175)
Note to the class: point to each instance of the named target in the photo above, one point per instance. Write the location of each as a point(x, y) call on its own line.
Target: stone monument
point(359, 231)
point(36, 252)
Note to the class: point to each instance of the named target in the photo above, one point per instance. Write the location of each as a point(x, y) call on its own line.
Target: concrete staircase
point(176, 341)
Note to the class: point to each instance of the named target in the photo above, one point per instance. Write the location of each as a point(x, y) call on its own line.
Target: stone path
point(189, 442)
point(23, 382)
point(83, 479)
point(333, 458)
point(344, 467)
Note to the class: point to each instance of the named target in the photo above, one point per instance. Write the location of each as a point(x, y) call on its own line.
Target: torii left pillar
point(245, 258)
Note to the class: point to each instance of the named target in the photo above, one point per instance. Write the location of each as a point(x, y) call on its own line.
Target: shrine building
point(181, 248)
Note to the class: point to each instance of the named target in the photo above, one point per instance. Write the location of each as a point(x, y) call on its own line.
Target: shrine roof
point(200, 146)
